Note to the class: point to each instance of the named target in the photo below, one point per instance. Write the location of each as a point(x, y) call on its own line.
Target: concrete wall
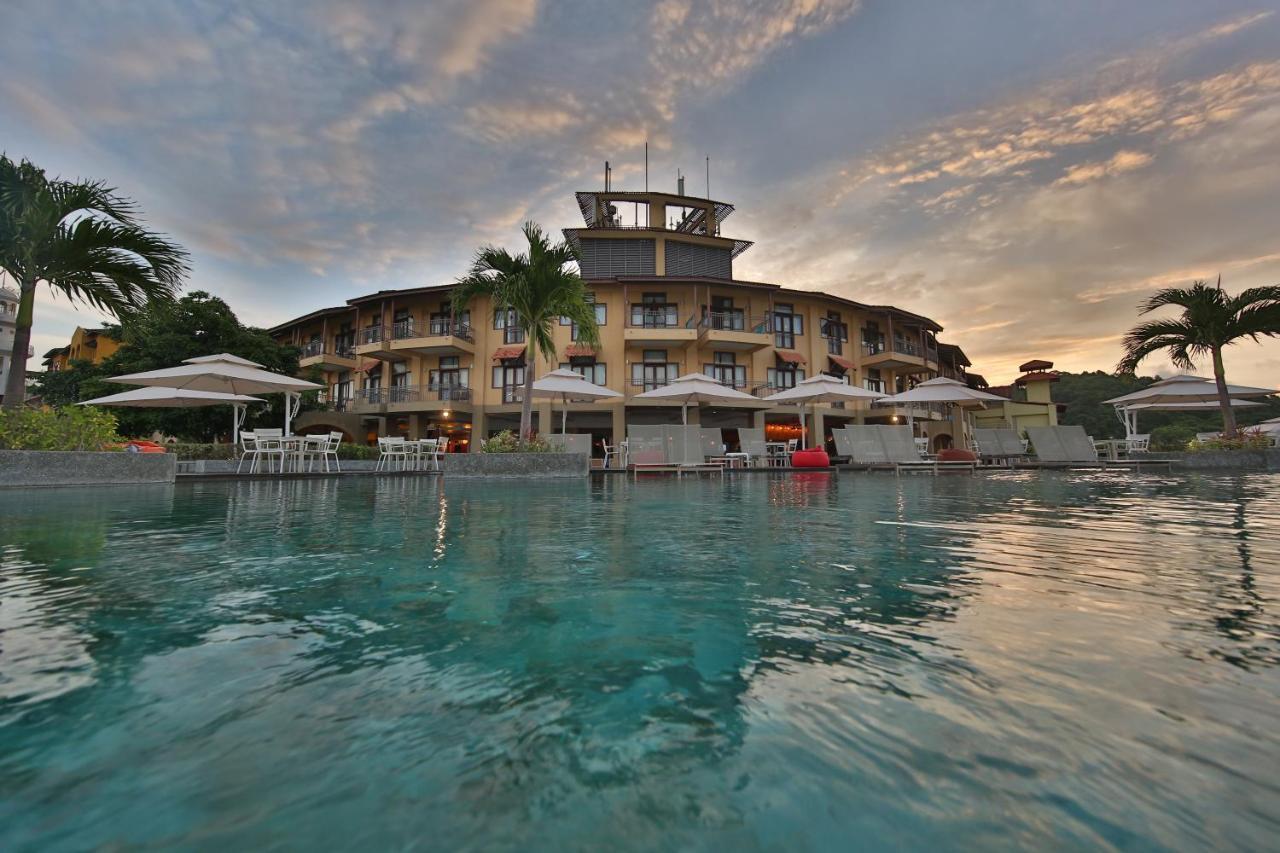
point(30, 468)
point(539, 465)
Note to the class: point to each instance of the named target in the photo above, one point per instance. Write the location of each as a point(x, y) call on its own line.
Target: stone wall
point(516, 465)
point(32, 468)
point(1222, 460)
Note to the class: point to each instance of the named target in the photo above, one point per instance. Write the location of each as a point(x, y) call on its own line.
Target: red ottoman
point(957, 454)
point(814, 457)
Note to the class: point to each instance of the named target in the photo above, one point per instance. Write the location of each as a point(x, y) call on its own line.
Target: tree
point(163, 334)
point(83, 239)
point(1211, 321)
point(539, 287)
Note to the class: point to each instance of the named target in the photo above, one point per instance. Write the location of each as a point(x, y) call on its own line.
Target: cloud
point(1121, 162)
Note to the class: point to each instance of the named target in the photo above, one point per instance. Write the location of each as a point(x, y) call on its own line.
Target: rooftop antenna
point(646, 165)
point(679, 183)
point(708, 176)
point(607, 172)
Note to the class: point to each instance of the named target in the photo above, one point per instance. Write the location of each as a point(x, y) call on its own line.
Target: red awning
point(579, 350)
point(838, 361)
point(790, 357)
point(504, 353)
point(369, 365)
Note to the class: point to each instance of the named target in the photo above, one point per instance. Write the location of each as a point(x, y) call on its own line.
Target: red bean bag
point(957, 454)
point(814, 457)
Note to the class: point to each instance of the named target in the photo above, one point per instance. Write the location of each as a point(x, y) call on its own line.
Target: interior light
point(446, 414)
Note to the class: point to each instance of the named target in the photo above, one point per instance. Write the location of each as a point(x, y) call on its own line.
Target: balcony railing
point(512, 335)
point(311, 349)
point(655, 316)
point(403, 394)
point(372, 335)
point(652, 383)
point(874, 345)
point(449, 393)
point(439, 328)
point(402, 329)
point(906, 347)
point(726, 375)
point(513, 393)
point(734, 321)
point(372, 396)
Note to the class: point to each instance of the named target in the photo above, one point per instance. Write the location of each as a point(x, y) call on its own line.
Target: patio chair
point(612, 450)
point(1139, 443)
point(922, 446)
point(331, 451)
point(248, 450)
point(392, 449)
point(269, 444)
point(429, 453)
point(646, 447)
point(998, 445)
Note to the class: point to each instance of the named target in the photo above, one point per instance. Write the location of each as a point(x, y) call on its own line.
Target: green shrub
point(506, 442)
point(1173, 437)
point(67, 428)
point(1249, 439)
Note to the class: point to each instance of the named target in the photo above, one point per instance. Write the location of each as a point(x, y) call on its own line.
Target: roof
point(1000, 390)
point(503, 353)
point(1036, 376)
point(957, 354)
point(840, 361)
point(571, 237)
point(587, 202)
point(1034, 365)
point(314, 315)
point(790, 357)
point(56, 351)
point(579, 350)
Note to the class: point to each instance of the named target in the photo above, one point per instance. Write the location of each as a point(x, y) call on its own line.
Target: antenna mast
point(708, 176)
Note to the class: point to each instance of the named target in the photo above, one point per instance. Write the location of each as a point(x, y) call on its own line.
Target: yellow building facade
point(92, 345)
point(667, 304)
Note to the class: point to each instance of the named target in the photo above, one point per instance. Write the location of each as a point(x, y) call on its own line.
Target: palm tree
point(539, 287)
point(82, 239)
point(1211, 320)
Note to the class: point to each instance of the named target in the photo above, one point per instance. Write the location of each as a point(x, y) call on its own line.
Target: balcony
point(316, 354)
point(733, 330)
point(896, 353)
point(374, 342)
point(658, 327)
point(437, 337)
point(513, 393)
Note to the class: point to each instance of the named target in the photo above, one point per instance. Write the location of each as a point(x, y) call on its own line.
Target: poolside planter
point(30, 468)
point(1262, 459)
point(525, 465)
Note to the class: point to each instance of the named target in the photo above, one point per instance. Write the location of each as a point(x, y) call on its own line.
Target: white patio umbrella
point(942, 390)
point(1174, 390)
point(567, 385)
point(696, 388)
point(822, 388)
point(156, 397)
point(228, 374)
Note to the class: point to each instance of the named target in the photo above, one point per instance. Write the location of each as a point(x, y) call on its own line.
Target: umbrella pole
point(684, 413)
point(800, 411)
point(235, 425)
point(564, 413)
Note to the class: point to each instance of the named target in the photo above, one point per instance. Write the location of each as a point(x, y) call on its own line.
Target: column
point(816, 433)
point(417, 425)
point(545, 425)
point(477, 429)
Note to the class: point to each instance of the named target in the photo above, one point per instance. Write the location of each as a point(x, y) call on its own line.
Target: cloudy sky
point(1023, 171)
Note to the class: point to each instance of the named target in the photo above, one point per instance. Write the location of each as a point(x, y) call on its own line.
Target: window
point(873, 382)
point(399, 374)
point(504, 318)
point(508, 375)
point(654, 312)
point(725, 370)
point(872, 339)
point(450, 375)
point(588, 368)
point(785, 376)
point(723, 316)
point(786, 325)
point(655, 371)
point(344, 340)
point(835, 331)
point(601, 315)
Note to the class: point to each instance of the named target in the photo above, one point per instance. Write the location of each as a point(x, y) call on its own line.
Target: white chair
point(269, 444)
point(331, 451)
point(922, 446)
point(392, 449)
point(309, 449)
point(611, 450)
point(429, 453)
point(248, 449)
point(1139, 443)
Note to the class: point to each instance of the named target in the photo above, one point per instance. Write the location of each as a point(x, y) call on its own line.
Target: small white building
point(8, 325)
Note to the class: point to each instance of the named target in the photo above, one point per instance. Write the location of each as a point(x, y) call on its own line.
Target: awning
point(504, 353)
point(790, 357)
point(840, 362)
point(369, 365)
point(579, 350)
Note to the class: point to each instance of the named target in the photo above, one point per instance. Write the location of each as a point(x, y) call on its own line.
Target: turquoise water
point(774, 662)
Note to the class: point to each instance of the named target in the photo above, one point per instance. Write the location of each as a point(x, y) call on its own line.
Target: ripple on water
point(765, 662)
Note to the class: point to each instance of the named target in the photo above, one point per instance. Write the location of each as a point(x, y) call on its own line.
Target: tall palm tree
point(83, 240)
point(540, 287)
point(1211, 321)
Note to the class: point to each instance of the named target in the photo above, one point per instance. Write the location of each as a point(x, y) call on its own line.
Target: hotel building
point(660, 271)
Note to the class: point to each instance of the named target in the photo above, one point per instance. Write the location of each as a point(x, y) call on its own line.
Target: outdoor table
point(776, 450)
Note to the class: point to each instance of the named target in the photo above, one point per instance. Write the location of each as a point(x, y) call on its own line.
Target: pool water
point(774, 662)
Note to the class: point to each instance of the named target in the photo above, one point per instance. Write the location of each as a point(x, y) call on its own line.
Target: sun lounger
point(900, 449)
point(753, 444)
point(864, 447)
point(1063, 446)
point(999, 445)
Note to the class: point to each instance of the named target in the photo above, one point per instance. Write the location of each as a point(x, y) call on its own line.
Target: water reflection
point(757, 661)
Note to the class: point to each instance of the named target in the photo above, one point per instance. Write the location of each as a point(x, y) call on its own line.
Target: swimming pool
point(809, 661)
